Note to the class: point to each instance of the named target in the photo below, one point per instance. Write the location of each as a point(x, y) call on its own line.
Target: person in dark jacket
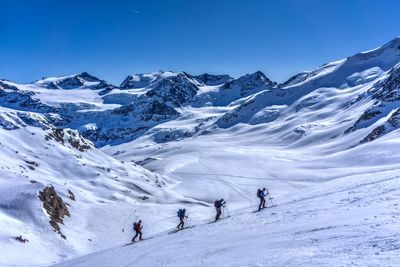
point(181, 216)
point(261, 195)
point(219, 204)
point(138, 229)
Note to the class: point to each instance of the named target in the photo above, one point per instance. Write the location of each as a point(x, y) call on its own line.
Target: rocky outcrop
point(174, 91)
point(6, 85)
point(212, 80)
point(71, 137)
point(142, 80)
point(22, 100)
point(21, 239)
point(71, 195)
point(55, 207)
point(385, 95)
point(249, 83)
point(236, 89)
point(391, 124)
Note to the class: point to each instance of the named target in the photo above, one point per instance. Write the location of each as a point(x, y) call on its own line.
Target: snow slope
point(351, 221)
point(106, 192)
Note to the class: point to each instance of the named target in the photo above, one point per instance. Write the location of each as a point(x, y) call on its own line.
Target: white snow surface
point(352, 221)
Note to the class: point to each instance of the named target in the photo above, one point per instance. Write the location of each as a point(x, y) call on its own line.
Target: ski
point(133, 242)
point(220, 219)
point(177, 230)
point(272, 206)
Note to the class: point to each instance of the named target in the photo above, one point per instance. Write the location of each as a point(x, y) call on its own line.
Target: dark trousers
point(182, 223)
point(219, 212)
point(262, 203)
point(138, 233)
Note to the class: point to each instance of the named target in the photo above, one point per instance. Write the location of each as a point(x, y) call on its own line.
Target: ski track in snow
point(225, 182)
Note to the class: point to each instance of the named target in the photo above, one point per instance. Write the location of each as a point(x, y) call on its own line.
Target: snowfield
point(351, 221)
point(325, 143)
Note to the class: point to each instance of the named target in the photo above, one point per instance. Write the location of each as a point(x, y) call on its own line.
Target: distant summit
point(81, 80)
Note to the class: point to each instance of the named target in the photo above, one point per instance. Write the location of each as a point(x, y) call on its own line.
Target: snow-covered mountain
point(82, 158)
point(83, 80)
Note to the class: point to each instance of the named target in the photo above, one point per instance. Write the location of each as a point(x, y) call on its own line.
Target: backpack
point(259, 192)
point(218, 203)
point(136, 226)
point(180, 213)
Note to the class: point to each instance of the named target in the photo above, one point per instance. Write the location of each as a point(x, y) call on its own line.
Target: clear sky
point(111, 39)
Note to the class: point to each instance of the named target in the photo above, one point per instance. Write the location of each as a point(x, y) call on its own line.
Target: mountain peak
point(393, 44)
point(353, 70)
point(135, 81)
point(257, 78)
point(87, 77)
point(75, 81)
point(388, 53)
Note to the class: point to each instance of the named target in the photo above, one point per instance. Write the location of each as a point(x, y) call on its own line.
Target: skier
point(261, 195)
point(137, 226)
point(218, 204)
point(181, 215)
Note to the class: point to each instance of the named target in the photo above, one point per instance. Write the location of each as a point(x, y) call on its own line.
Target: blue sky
point(111, 39)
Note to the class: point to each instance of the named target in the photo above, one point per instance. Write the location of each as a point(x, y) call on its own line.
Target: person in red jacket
point(137, 226)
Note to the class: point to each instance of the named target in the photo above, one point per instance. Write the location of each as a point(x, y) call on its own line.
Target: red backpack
point(136, 226)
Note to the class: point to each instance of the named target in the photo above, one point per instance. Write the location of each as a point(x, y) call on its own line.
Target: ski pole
point(226, 207)
point(270, 198)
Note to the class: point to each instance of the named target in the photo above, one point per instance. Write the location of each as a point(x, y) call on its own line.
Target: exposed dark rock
point(71, 137)
point(249, 82)
point(377, 132)
point(386, 94)
point(367, 115)
point(141, 80)
point(106, 90)
point(175, 91)
point(55, 207)
point(392, 123)
point(387, 90)
point(32, 163)
point(33, 119)
point(22, 100)
point(71, 195)
point(298, 78)
point(76, 81)
point(6, 124)
point(52, 85)
point(21, 239)
point(4, 85)
point(210, 79)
